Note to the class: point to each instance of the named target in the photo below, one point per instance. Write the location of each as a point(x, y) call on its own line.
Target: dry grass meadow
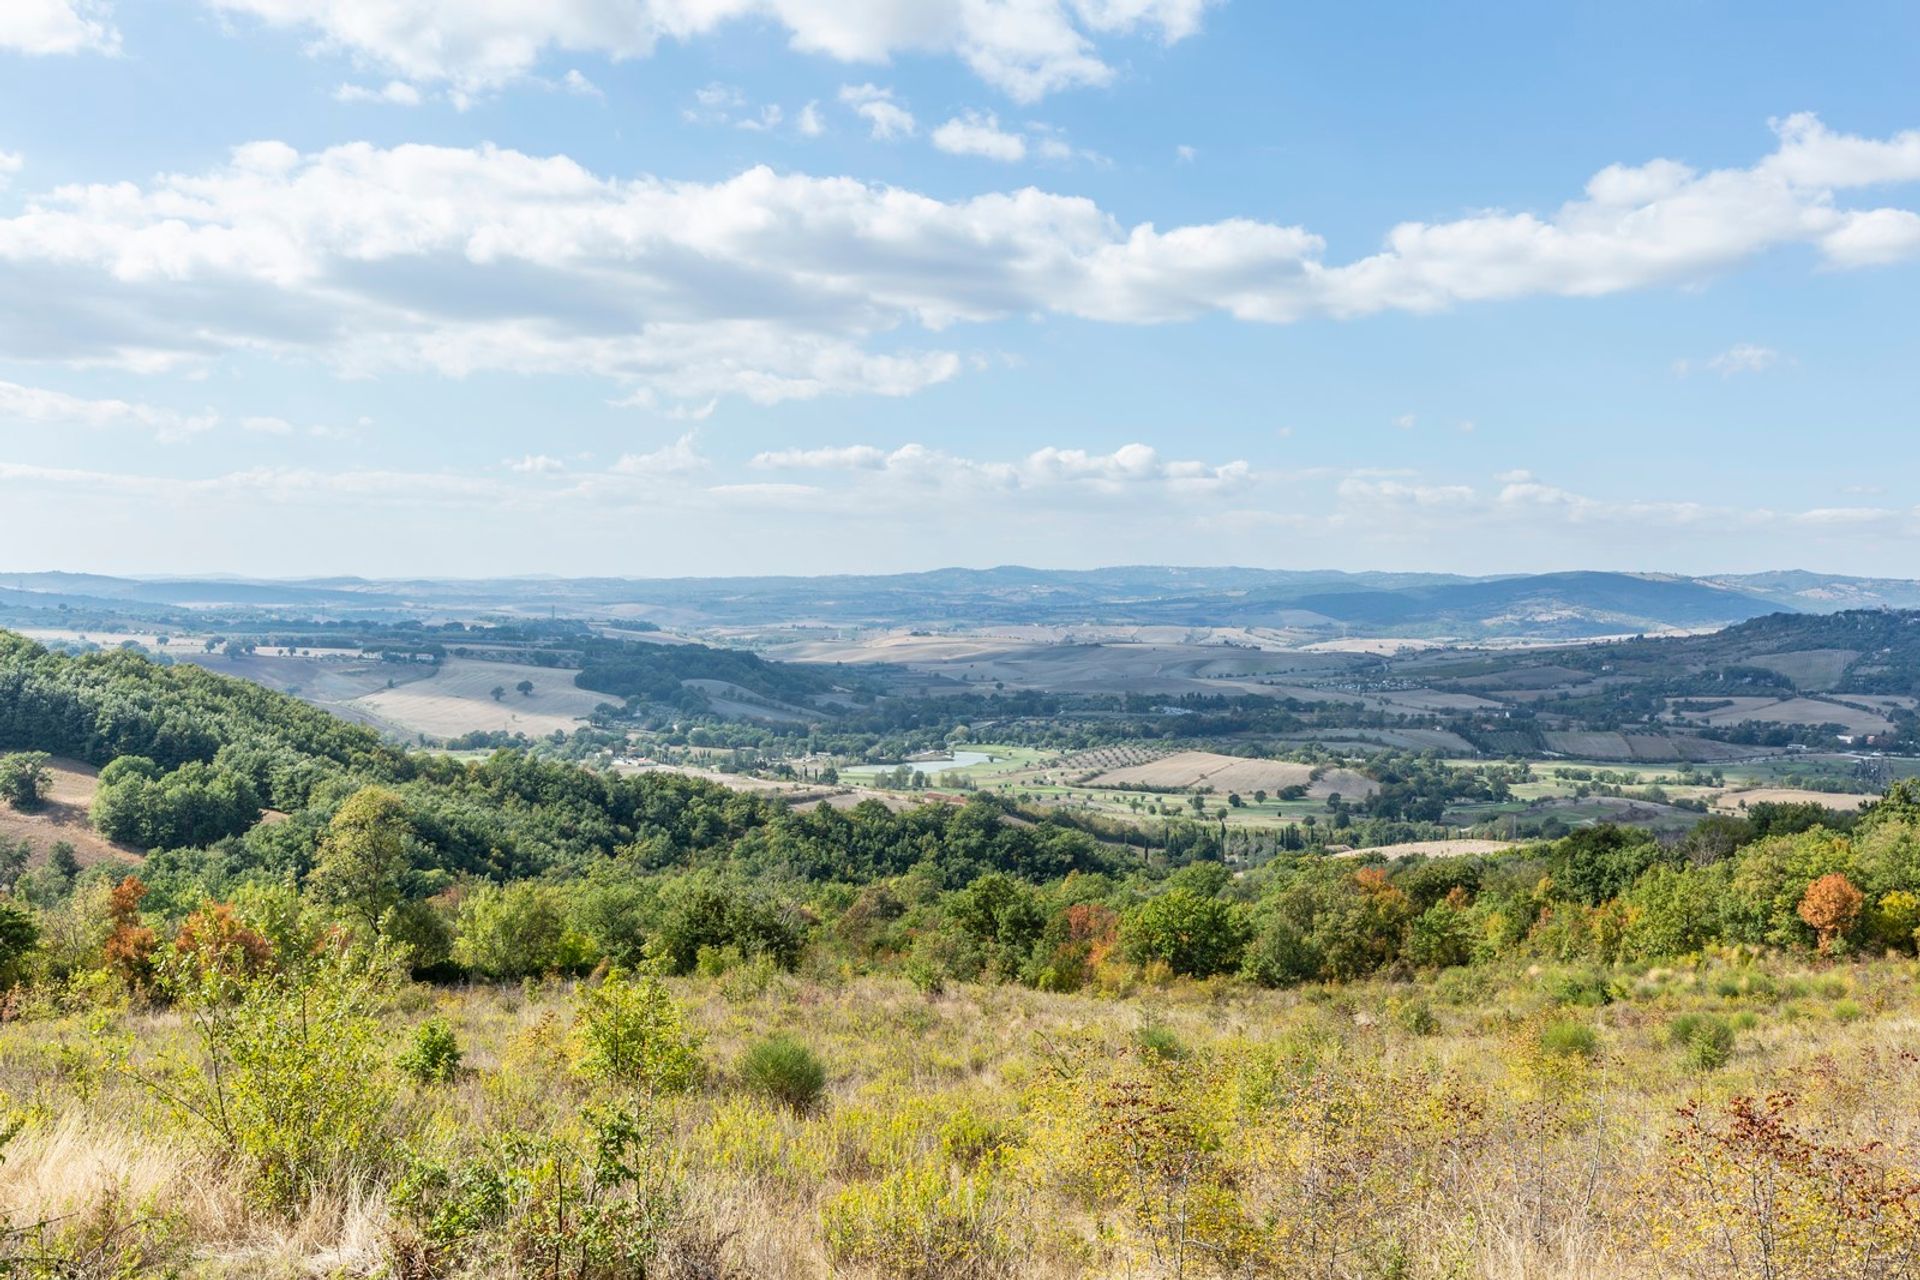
point(1543, 1124)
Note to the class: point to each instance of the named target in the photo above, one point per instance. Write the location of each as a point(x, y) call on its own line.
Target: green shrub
point(1156, 1040)
point(749, 980)
point(1582, 987)
point(927, 977)
point(967, 1137)
point(1846, 1010)
point(433, 1057)
point(1416, 1017)
point(785, 1070)
point(1462, 987)
point(1568, 1039)
point(595, 1203)
point(288, 1080)
point(920, 1222)
point(19, 936)
point(712, 962)
point(516, 931)
point(1704, 1040)
point(634, 1034)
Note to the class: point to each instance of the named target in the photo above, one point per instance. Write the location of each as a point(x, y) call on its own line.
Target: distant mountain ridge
point(1553, 605)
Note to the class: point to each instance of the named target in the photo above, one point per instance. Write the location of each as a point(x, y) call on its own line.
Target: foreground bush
point(632, 1034)
point(434, 1056)
point(785, 1070)
point(284, 1076)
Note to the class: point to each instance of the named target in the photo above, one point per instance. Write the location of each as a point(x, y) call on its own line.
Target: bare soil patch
point(64, 817)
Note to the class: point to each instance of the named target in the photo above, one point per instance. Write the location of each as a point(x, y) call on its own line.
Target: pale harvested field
point(457, 699)
point(1344, 783)
point(1406, 739)
point(1809, 668)
point(731, 700)
point(1802, 711)
point(1187, 770)
point(320, 678)
point(177, 640)
point(64, 817)
point(1878, 701)
point(1844, 802)
point(1647, 747)
point(1150, 660)
point(1382, 647)
point(1433, 849)
point(1436, 700)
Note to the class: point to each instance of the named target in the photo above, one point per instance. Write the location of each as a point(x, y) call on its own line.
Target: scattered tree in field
point(526, 688)
point(1830, 906)
point(499, 691)
point(24, 779)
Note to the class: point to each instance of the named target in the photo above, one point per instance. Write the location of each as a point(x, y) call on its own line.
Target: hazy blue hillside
point(1568, 605)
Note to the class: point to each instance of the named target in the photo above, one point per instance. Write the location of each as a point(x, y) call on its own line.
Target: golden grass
point(1553, 1172)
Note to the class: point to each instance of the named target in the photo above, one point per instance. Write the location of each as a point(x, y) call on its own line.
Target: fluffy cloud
point(395, 93)
point(39, 407)
point(887, 119)
point(57, 26)
point(680, 458)
point(1741, 357)
point(782, 286)
point(857, 457)
point(1125, 469)
point(975, 134)
point(1027, 48)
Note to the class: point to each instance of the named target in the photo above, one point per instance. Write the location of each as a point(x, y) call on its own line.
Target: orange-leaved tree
point(1830, 906)
point(129, 948)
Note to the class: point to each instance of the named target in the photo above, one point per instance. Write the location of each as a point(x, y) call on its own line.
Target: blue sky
point(659, 287)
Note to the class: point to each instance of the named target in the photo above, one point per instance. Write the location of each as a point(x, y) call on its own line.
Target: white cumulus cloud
point(779, 286)
point(884, 116)
point(395, 93)
point(1026, 48)
point(57, 26)
point(978, 134)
